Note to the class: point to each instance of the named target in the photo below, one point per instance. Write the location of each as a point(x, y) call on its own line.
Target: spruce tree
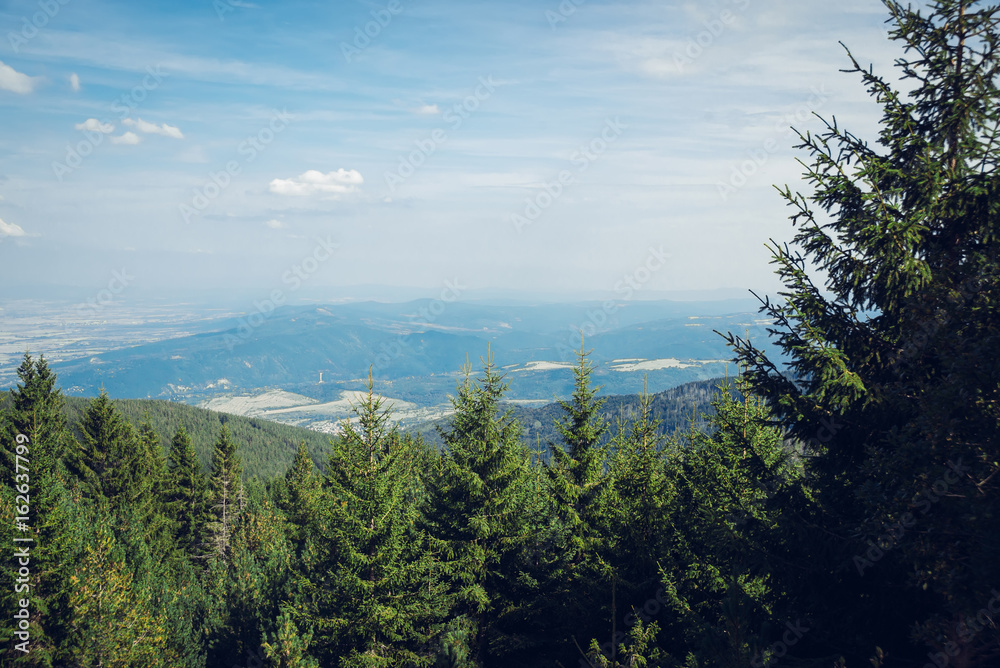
point(188, 497)
point(114, 620)
point(577, 480)
point(477, 517)
point(252, 582)
point(578, 468)
point(737, 486)
point(299, 495)
point(34, 426)
point(153, 506)
point(109, 462)
point(379, 597)
point(891, 379)
point(227, 492)
point(35, 411)
point(288, 648)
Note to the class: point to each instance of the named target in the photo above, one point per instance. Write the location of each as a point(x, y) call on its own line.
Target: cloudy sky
point(518, 145)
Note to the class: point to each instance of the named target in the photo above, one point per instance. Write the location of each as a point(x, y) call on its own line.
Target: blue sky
point(526, 146)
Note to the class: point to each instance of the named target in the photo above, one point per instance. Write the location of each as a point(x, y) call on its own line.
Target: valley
point(304, 364)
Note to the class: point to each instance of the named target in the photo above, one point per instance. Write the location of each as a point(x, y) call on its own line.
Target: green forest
point(839, 506)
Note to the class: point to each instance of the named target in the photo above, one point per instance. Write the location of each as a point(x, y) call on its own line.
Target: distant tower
point(321, 376)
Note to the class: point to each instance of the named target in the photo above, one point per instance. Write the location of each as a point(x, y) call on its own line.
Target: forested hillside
point(676, 410)
point(267, 448)
point(840, 506)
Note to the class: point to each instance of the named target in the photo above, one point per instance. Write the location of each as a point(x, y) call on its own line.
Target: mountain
point(419, 348)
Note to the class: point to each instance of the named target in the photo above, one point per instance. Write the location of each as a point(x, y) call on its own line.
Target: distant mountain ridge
point(419, 347)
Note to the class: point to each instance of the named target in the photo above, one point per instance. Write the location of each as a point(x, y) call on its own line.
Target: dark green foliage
point(35, 409)
point(226, 493)
point(893, 366)
point(477, 517)
point(577, 479)
point(731, 486)
point(251, 581)
point(379, 597)
point(33, 419)
point(105, 461)
point(266, 448)
point(288, 648)
point(187, 498)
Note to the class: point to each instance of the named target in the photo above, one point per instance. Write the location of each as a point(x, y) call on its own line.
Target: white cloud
point(11, 230)
point(127, 138)
point(275, 224)
point(336, 183)
point(95, 125)
point(427, 109)
point(74, 82)
point(14, 81)
point(154, 129)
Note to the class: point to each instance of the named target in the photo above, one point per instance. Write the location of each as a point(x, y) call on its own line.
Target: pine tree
point(380, 597)
point(34, 427)
point(891, 375)
point(36, 412)
point(227, 493)
point(735, 481)
point(288, 648)
point(638, 504)
point(114, 621)
point(252, 582)
point(477, 517)
point(299, 496)
point(578, 470)
point(188, 497)
point(153, 506)
point(109, 462)
point(577, 479)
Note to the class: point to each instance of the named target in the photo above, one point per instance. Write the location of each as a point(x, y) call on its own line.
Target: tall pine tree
point(892, 380)
point(188, 496)
point(227, 493)
point(381, 597)
point(477, 518)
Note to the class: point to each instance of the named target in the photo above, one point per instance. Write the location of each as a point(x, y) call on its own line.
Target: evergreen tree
point(638, 504)
point(288, 648)
point(577, 480)
point(299, 495)
point(153, 506)
point(736, 485)
point(34, 426)
point(187, 499)
point(227, 493)
point(106, 462)
point(252, 582)
point(380, 598)
point(477, 517)
point(114, 619)
point(36, 411)
point(578, 470)
point(892, 373)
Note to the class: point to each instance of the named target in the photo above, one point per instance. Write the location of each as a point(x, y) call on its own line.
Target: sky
point(577, 147)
